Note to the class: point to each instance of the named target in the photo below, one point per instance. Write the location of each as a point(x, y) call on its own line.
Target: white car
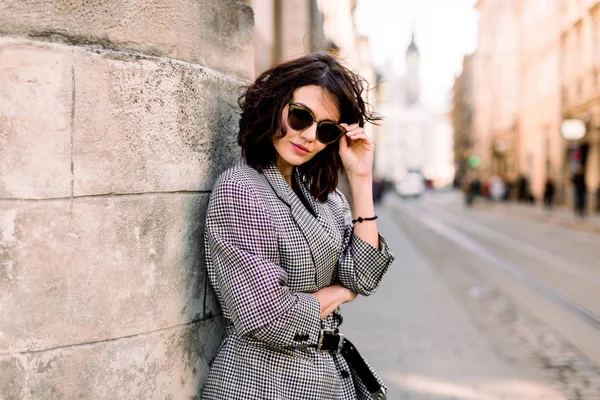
point(412, 185)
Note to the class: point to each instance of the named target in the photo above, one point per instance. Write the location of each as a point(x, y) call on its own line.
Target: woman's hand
point(331, 297)
point(356, 151)
point(351, 296)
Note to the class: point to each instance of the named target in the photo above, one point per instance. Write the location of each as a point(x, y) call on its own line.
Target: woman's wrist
point(346, 295)
point(362, 198)
point(354, 179)
point(343, 293)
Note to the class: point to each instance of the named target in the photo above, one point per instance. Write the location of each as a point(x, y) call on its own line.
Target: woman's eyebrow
point(313, 113)
point(303, 105)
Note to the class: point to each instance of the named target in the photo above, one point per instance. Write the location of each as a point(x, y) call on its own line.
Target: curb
point(584, 225)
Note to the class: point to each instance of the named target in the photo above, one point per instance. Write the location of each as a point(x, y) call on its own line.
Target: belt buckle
point(330, 341)
point(379, 395)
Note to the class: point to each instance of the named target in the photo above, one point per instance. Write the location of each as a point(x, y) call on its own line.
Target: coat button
point(344, 374)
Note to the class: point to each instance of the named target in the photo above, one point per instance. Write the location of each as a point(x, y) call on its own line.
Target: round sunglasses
point(300, 118)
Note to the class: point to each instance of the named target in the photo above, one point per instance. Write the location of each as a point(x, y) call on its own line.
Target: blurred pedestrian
point(485, 188)
point(509, 192)
point(524, 193)
point(497, 188)
point(466, 189)
point(476, 187)
point(580, 190)
point(283, 251)
point(378, 189)
point(549, 193)
point(472, 189)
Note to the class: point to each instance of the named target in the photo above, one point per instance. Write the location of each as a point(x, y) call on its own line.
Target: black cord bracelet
point(361, 219)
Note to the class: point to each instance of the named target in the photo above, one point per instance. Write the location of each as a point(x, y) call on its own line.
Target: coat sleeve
point(242, 244)
point(362, 266)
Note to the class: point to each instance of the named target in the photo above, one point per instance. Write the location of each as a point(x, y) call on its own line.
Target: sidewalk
point(558, 215)
point(421, 339)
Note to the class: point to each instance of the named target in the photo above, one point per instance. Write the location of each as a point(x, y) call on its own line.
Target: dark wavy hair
point(262, 103)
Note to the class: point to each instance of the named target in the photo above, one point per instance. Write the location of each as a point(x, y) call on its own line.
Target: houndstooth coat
point(265, 253)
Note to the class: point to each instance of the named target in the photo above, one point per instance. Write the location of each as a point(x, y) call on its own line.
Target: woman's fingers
point(356, 135)
point(343, 146)
point(356, 138)
point(350, 127)
point(354, 131)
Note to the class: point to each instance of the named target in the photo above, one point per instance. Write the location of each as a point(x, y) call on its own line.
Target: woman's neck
point(286, 170)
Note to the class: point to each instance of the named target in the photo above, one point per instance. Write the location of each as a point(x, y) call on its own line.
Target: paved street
point(482, 304)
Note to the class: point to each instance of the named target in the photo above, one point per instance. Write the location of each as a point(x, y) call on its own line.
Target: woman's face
point(297, 147)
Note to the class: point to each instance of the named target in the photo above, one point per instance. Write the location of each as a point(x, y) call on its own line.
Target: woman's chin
point(296, 160)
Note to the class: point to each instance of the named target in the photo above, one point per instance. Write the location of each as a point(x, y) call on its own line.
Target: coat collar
point(318, 231)
point(278, 183)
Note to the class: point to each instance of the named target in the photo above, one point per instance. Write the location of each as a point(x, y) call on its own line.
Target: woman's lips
point(300, 149)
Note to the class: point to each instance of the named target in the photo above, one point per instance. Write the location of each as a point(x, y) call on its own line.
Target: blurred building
point(402, 144)
point(539, 109)
point(339, 29)
point(366, 68)
point(496, 78)
point(462, 117)
point(580, 77)
point(440, 166)
point(537, 64)
point(413, 137)
point(288, 29)
point(285, 30)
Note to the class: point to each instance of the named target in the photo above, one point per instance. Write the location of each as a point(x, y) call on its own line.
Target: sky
point(445, 30)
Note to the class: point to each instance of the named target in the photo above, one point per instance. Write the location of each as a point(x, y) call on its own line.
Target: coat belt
point(334, 342)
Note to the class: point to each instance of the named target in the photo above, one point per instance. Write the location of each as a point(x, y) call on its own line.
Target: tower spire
point(413, 82)
point(412, 47)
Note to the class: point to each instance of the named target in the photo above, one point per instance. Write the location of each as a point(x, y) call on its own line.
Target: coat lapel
point(322, 242)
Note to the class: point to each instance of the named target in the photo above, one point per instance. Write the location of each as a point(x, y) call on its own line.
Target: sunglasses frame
point(314, 119)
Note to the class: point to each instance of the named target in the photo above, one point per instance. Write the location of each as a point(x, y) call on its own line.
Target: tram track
point(514, 271)
point(578, 322)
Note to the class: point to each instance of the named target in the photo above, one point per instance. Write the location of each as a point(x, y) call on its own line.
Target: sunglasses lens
point(299, 119)
point(329, 132)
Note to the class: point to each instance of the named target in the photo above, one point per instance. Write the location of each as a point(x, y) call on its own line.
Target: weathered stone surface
point(99, 268)
point(211, 303)
point(217, 34)
point(169, 364)
point(35, 120)
point(13, 375)
point(165, 126)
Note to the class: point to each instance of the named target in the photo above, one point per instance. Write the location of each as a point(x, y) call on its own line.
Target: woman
point(282, 250)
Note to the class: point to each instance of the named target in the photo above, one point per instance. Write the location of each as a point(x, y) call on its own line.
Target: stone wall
point(116, 117)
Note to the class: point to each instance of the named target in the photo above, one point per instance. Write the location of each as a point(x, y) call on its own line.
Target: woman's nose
point(310, 133)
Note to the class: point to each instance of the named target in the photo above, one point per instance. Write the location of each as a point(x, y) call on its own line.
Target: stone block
point(35, 120)
point(98, 268)
point(217, 34)
point(168, 364)
point(164, 125)
point(13, 377)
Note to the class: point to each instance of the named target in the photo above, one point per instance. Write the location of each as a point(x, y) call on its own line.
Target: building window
point(578, 48)
point(595, 35)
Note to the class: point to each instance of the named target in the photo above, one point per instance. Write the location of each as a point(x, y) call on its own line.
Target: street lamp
point(572, 129)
